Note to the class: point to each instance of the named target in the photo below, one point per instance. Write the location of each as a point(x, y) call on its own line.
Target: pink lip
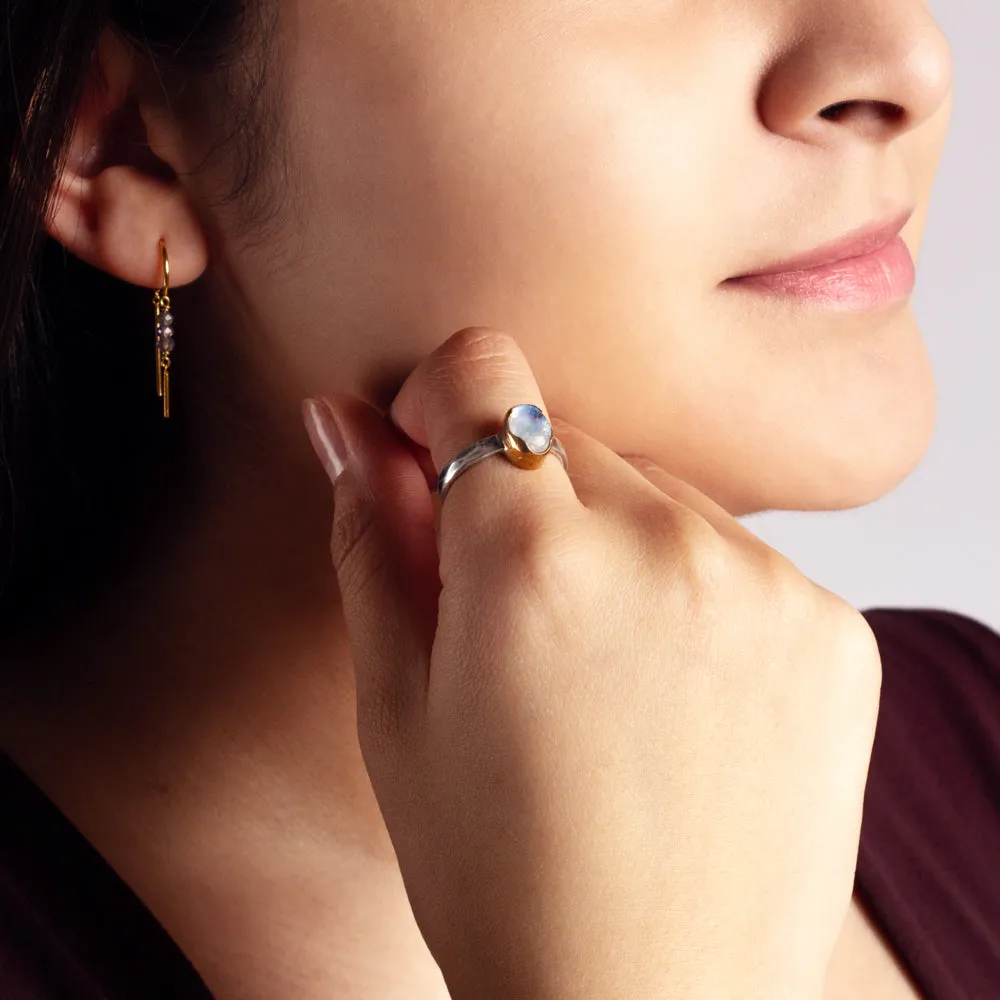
point(866, 269)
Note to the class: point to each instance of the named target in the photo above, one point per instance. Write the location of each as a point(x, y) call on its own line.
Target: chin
point(852, 444)
point(868, 473)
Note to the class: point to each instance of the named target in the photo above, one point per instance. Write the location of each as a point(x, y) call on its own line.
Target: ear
point(115, 196)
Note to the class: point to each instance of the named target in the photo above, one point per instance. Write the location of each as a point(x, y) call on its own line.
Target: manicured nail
point(325, 436)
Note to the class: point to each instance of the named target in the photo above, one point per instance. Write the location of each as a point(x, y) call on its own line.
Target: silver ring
point(524, 439)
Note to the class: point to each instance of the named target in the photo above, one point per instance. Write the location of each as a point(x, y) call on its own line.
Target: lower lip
point(870, 282)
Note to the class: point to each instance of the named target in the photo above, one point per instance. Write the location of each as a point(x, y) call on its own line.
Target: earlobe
point(114, 198)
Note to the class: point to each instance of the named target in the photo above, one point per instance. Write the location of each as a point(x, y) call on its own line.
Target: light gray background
point(935, 541)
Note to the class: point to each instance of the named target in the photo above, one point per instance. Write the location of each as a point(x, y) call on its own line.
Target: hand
point(619, 743)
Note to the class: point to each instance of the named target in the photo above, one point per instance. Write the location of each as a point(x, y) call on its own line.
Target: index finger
point(460, 393)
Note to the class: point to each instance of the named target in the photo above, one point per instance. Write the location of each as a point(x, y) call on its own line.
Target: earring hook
point(166, 265)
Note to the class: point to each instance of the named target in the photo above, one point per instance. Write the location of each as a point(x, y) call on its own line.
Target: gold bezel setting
point(531, 424)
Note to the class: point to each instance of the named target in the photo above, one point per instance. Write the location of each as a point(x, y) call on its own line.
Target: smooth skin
point(582, 176)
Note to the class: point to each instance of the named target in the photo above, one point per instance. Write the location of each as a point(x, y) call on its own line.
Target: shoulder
point(940, 682)
point(69, 925)
point(930, 831)
point(937, 740)
point(930, 633)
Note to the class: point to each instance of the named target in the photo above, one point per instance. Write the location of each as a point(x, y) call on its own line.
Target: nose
point(876, 68)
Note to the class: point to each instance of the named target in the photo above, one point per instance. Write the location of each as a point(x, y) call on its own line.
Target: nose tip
point(879, 73)
point(931, 68)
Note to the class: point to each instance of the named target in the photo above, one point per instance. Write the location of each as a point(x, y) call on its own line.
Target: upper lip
point(856, 243)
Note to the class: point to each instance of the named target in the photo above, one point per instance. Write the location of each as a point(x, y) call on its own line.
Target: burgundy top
point(928, 868)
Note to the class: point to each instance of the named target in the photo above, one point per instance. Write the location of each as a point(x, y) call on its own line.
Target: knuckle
point(533, 549)
point(476, 344)
point(786, 594)
point(693, 559)
point(692, 541)
point(848, 659)
point(656, 474)
point(472, 360)
point(709, 552)
point(643, 464)
point(846, 674)
point(548, 565)
point(860, 658)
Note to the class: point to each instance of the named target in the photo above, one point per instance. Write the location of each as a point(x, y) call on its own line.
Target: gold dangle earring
point(164, 333)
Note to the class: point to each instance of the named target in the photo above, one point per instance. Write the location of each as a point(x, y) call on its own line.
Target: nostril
point(835, 111)
point(885, 111)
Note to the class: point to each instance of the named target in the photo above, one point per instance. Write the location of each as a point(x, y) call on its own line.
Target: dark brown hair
point(81, 436)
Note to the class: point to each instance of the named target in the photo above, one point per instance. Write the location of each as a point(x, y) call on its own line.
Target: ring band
point(524, 440)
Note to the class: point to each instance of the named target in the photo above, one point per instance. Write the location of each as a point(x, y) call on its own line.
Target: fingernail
point(325, 436)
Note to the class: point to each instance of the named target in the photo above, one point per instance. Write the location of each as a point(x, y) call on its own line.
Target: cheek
point(532, 174)
point(568, 193)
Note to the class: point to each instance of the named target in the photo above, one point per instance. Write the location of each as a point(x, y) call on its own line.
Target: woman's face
point(586, 174)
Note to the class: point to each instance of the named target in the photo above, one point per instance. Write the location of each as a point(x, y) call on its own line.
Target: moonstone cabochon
point(529, 424)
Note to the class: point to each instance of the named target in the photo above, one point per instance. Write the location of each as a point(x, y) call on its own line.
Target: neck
point(197, 724)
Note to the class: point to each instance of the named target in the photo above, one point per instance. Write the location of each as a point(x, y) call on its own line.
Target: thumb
point(385, 554)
